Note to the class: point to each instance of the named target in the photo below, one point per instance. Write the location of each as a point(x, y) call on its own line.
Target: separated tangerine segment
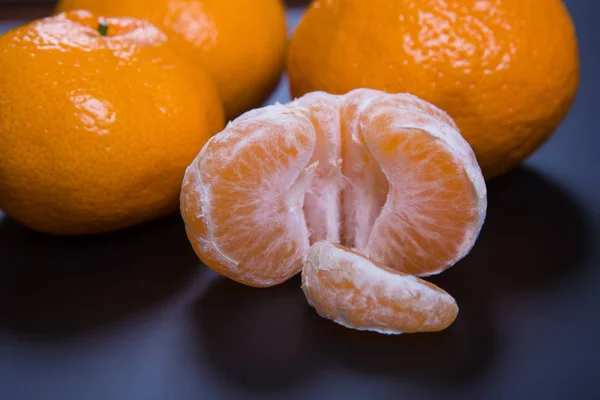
point(363, 294)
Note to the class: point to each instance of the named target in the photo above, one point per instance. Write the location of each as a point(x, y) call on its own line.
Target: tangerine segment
point(362, 294)
point(367, 187)
point(242, 197)
point(322, 201)
point(437, 197)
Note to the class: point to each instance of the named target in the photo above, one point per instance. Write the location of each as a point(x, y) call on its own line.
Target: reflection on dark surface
point(534, 235)
point(453, 356)
point(56, 286)
point(259, 338)
point(267, 340)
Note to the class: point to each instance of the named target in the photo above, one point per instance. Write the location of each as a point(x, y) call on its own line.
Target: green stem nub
point(102, 28)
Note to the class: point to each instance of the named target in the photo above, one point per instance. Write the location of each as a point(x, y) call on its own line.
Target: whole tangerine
point(98, 121)
point(506, 71)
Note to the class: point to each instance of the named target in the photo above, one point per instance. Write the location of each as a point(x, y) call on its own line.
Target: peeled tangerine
point(386, 175)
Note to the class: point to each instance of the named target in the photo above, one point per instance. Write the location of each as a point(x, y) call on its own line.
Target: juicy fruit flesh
point(359, 293)
point(386, 175)
point(253, 207)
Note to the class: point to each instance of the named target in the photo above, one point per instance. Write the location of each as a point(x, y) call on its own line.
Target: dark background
point(135, 315)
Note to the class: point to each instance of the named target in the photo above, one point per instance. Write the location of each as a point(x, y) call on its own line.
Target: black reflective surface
point(134, 315)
